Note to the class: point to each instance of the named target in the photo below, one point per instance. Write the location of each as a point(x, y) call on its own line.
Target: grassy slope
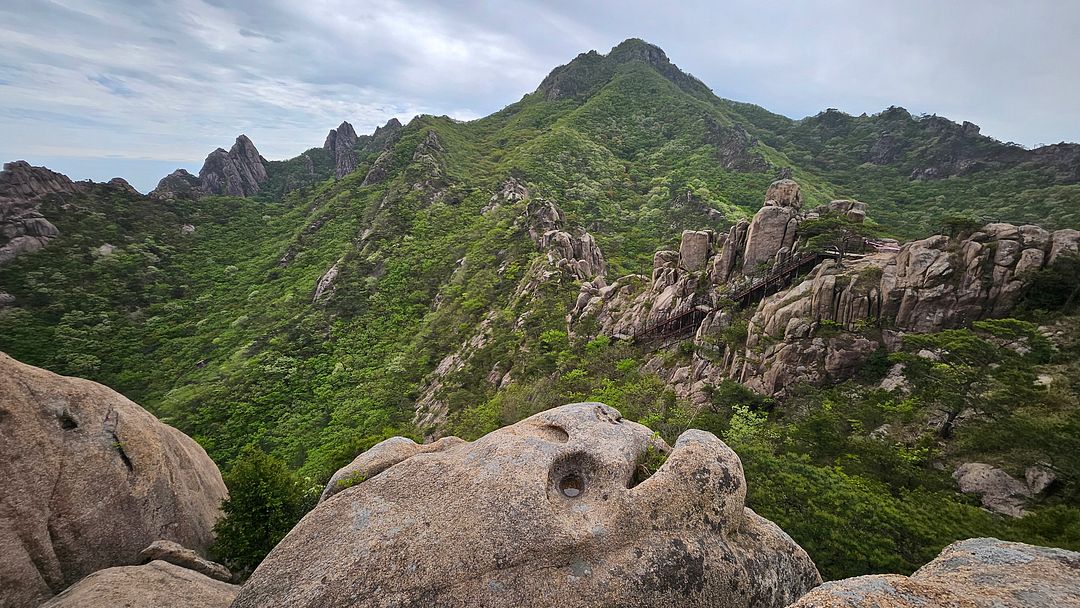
point(213, 333)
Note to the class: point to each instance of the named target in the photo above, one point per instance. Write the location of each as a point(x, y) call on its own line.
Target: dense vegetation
point(218, 330)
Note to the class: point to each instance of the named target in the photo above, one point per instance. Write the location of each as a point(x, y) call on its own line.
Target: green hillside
point(218, 330)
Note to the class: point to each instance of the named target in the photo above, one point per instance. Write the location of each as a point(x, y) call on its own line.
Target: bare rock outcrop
point(678, 278)
point(154, 585)
point(701, 272)
point(546, 512)
point(341, 144)
point(973, 573)
point(382, 138)
point(178, 184)
point(238, 172)
point(774, 227)
point(929, 285)
point(380, 457)
point(90, 479)
point(168, 551)
point(324, 287)
point(1000, 492)
point(23, 229)
point(572, 249)
point(512, 191)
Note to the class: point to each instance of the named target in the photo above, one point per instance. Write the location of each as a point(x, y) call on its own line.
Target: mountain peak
point(636, 49)
point(591, 70)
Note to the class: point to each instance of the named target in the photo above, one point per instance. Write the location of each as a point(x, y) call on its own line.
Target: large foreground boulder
point(89, 479)
point(973, 573)
point(155, 585)
point(556, 510)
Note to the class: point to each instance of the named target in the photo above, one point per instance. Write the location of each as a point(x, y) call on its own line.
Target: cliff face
point(347, 148)
point(23, 229)
point(238, 172)
point(706, 265)
point(929, 285)
point(924, 286)
point(341, 143)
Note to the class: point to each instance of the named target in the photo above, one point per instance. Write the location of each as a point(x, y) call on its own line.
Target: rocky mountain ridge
point(22, 227)
point(345, 145)
point(930, 147)
point(238, 172)
point(426, 292)
point(923, 286)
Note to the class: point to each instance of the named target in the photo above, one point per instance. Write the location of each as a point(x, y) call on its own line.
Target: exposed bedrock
point(90, 479)
point(551, 511)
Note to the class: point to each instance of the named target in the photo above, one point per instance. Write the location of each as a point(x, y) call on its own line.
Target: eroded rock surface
point(168, 551)
point(158, 584)
point(341, 143)
point(706, 264)
point(973, 573)
point(89, 480)
point(774, 227)
point(240, 171)
point(380, 457)
point(23, 229)
point(929, 285)
point(546, 512)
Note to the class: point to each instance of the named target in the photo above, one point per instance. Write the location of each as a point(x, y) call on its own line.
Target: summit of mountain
point(590, 70)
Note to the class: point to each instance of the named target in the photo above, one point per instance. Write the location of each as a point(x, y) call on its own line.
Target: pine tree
point(265, 501)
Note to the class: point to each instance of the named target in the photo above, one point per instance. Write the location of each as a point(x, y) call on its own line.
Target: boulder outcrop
point(574, 250)
point(154, 585)
point(929, 285)
point(23, 229)
point(552, 511)
point(1000, 492)
point(774, 226)
point(973, 573)
point(701, 271)
point(380, 457)
point(90, 479)
point(168, 551)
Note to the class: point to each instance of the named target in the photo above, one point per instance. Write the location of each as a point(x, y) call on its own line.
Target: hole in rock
point(67, 422)
point(572, 485)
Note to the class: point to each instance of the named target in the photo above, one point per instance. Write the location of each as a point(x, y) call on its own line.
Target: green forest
point(217, 330)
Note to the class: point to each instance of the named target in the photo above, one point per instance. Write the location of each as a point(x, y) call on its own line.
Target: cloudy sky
point(99, 88)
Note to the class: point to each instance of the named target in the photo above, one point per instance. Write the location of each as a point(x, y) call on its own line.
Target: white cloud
point(159, 80)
